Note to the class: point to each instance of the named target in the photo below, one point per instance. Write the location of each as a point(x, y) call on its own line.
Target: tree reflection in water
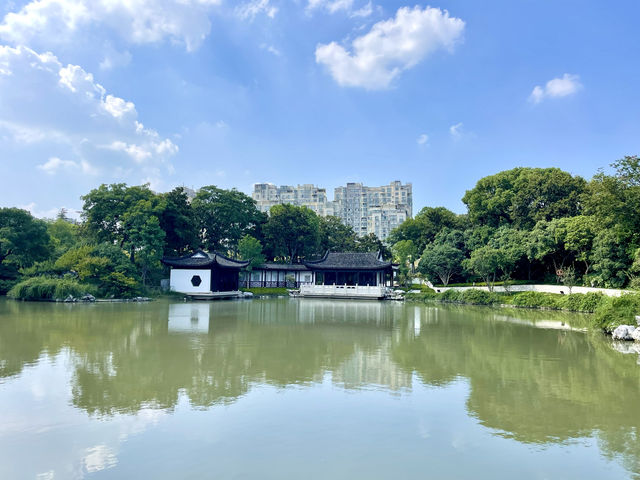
point(535, 385)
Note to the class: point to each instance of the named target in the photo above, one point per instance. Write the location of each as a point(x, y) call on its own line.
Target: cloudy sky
point(200, 92)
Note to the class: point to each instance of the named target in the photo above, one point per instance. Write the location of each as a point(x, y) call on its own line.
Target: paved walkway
point(611, 292)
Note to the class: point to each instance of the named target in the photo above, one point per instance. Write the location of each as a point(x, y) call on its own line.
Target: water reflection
point(535, 385)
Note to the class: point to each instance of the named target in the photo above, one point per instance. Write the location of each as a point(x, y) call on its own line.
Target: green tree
point(443, 260)
point(610, 260)
point(250, 248)
point(423, 229)
point(177, 220)
point(128, 217)
point(405, 254)
point(484, 262)
point(512, 244)
point(64, 235)
point(144, 240)
point(371, 243)
point(104, 208)
point(292, 232)
point(23, 241)
point(105, 266)
point(335, 236)
point(578, 234)
point(224, 217)
point(524, 196)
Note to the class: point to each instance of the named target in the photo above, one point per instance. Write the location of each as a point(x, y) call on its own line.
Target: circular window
point(196, 280)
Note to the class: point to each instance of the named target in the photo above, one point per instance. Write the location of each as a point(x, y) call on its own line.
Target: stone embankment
point(87, 298)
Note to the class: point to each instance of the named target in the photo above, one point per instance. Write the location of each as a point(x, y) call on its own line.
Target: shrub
point(426, 293)
point(46, 288)
point(450, 296)
point(537, 299)
point(614, 311)
point(478, 297)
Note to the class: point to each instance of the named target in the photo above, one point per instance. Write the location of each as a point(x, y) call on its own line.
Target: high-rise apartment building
point(267, 195)
point(375, 210)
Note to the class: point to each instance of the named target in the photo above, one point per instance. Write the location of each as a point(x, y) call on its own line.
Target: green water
point(311, 389)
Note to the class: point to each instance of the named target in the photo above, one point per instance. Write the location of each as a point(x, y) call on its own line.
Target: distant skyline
point(201, 92)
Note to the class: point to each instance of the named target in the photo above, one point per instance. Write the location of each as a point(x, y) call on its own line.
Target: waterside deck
point(376, 292)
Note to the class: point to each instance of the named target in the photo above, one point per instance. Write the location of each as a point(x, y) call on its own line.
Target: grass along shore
point(608, 312)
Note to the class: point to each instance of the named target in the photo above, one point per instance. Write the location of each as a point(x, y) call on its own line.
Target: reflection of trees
point(534, 385)
point(125, 357)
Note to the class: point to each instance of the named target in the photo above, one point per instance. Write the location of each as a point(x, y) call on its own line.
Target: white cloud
point(555, 88)
point(423, 139)
point(390, 47)
point(332, 6)
point(363, 12)
point(47, 22)
point(271, 49)
point(456, 131)
point(64, 111)
point(249, 10)
point(113, 59)
point(54, 164)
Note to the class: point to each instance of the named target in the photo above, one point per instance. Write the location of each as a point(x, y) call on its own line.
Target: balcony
point(344, 291)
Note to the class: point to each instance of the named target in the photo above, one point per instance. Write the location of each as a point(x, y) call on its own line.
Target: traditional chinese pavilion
point(205, 275)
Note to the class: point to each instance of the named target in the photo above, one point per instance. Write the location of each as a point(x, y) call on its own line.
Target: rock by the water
point(69, 299)
point(247, 294)
point(636, 334)
point(624, 332)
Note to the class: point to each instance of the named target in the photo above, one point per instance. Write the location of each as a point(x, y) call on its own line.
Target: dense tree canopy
point(224, 217)
point(521, 197)
point(293, 231)
point(536, 224)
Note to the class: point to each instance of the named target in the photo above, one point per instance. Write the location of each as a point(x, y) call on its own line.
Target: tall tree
point(128, 217)
point(423, 229)
point(292, 231)
point(23, 239)
point(484, 262)
point(224, 217)
point(442, 261)
point(524, 196)
point(178, 222)
point(335, 235)
point(250, 248)
point(371, 243)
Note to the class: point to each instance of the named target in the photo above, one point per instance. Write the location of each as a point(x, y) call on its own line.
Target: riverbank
point(608, 312)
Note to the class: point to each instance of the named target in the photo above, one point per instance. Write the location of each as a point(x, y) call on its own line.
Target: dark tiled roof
point(202, 259)
point(349, 261)
point(282, 266)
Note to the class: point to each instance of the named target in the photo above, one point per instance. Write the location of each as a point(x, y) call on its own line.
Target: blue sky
point(199, 92)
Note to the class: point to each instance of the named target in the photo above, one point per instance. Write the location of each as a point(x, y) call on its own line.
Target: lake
point(314, 389)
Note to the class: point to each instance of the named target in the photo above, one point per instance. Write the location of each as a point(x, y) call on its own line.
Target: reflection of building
point(189, 317)
point(203, 273)
point(349, 275)
point(372, 368)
